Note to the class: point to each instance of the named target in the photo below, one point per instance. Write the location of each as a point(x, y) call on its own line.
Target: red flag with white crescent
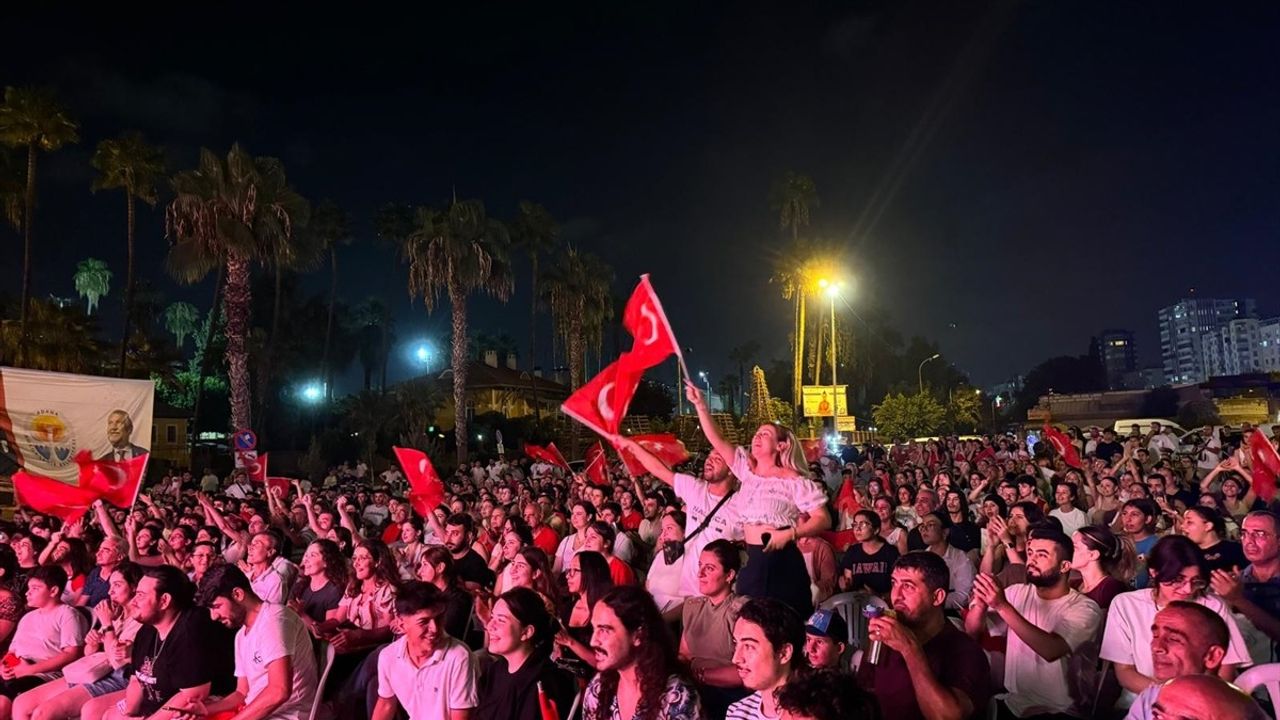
point(558, 457)
point(426, 491)
point(597, 470)
point(115, 481)
point(545, 454)
point(52, 497)
point(1062, 445)
point(280, 486)
point(645, 319)
point(664, 446)
point(256, 469)
point(602, 402)
point(1264, 462)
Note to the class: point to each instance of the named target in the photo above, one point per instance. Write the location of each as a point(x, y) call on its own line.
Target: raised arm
point(104, 519)
point(651, 463)
point(709, 427)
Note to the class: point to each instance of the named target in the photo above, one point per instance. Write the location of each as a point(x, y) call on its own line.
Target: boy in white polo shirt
point(426, 672)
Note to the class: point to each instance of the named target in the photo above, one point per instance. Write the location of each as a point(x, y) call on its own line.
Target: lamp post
point(920, 370)
point(995, 404)
point(833, 291)
point(706, 380)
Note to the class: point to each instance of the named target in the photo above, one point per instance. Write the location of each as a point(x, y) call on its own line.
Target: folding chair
point(324, 657)
point(1262, 676)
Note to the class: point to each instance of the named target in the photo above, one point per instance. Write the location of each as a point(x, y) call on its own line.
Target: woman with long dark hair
point(774, 492)
point(588, 580)
point(632, 637)
point(580, 518)
point(318, 592)
point(435, 566)
point(519, 635)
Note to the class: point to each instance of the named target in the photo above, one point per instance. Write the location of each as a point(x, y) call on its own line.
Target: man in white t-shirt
point(271, 576)
point(700, 496)
point(1049, 663)
point(426, 672)
point(276, 674)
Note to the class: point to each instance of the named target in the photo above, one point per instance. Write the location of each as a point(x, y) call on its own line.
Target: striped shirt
point(748, 708)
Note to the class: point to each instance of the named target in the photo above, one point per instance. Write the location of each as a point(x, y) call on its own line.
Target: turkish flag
point(282, 483)
point(597, 465)
point(647, 323)
point(665, 446)
point(1265, 464)
point(115, 481)
point(426, 491)
point(256, 470)
point(602, 402)
point(546, 706)
point(1062, 445)
point(546, 454)
point(52, 497)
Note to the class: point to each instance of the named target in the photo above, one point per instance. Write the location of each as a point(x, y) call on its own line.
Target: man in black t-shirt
point(470, 568)
point(180, 656)
point(1108, 448)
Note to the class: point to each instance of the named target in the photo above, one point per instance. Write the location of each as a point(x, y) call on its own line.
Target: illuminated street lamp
point(312, 393)
point(920, 370)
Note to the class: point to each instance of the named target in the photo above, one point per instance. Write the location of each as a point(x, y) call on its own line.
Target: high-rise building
point(1118, 357)
point(1234, 348)
point(1182, 330)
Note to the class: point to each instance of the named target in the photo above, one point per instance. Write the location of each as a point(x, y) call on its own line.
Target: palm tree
point(93, 281)
point(577, 291)
point(373, 319)
point(180, 319)
point(535, 232)
point(793, 197)
point(31, 118)
point(328, 227)
point(60, 339)
point(11, 188)
point(128, 162)
point(458, 250)
point(230, 213)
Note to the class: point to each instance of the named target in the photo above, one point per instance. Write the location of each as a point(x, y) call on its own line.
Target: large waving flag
point(1265, 464)
point(647, 323)
point(1062, 445)
point(112, 481)
point(602, 402)
point(664, 446)
point(115, 481)
point(426, 491)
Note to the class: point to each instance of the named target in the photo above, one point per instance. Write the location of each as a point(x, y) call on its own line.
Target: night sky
point(1008, 178)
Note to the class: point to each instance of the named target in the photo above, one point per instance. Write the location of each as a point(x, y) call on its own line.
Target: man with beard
point(1051, 656)
point(710, 512)
point(469, 566)
point(180, 656)
point(275, 664)
point(928, 668)
point(426, 672)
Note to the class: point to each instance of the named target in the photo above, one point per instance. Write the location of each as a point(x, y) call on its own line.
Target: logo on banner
point(52, 438)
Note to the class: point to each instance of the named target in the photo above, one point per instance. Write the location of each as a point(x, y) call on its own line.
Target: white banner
point(46, 418)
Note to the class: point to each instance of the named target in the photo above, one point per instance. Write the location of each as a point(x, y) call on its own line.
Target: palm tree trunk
point(533, 342)
point(236, 302)
point(28, 220)
point(128, 285)
point(798, 368)
point(328, 328)
point(458, 358)
point(386, 352)
point(204, 358)
point(577, 352)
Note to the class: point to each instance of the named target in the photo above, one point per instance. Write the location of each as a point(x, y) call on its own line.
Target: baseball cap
point(827, 624)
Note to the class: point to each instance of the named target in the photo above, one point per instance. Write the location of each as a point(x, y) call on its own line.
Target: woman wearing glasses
point(1178, 572)
point(868, 563)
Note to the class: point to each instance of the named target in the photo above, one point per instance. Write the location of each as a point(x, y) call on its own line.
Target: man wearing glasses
point(1255, 592)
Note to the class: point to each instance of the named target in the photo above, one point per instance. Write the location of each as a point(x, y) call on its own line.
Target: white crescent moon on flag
point(602, 402)
point(116, 476)
point(422, 467)
point(647, 313)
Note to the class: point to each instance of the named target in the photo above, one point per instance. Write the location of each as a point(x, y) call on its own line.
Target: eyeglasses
point(1256, 535)
point(1195, 584)
point(572, 571)
point(862, 524)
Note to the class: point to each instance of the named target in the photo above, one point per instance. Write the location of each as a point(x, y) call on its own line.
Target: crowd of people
point(986, 575)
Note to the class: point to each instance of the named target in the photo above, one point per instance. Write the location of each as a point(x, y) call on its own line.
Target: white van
point(1124, 427)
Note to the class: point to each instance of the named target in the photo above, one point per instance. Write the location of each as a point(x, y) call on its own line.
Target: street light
point(920, 370)
point(312, 392)
point(832, 288)
point(706, 379)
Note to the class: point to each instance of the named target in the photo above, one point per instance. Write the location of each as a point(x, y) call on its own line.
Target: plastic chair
point(849, 606)
point(575, 707)
point(325, 654)
point(1260, 676)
